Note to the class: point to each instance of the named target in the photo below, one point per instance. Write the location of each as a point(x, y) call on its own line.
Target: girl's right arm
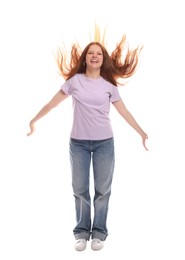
point(56, 100)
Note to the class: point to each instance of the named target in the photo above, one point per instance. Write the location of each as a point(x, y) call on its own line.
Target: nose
point(94, 55)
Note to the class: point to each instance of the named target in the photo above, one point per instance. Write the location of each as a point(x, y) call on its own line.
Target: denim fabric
point(101, 154)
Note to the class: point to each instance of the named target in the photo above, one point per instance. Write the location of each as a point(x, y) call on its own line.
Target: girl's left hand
point(144, 138)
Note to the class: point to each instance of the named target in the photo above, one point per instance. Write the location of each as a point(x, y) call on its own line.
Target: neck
point(93, 74)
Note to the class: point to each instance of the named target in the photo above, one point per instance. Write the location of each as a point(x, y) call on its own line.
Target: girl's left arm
point(123, 111)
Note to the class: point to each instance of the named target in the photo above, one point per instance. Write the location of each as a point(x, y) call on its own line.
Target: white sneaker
point(81, 244)
point(96, 244)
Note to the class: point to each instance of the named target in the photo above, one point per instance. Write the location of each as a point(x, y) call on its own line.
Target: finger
point(144, 144)
point(145, 147)
point(29, 133)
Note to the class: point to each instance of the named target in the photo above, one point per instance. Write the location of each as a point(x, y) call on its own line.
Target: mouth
point(94, 61)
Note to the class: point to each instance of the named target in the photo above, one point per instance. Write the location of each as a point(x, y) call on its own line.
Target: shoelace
point(81, 240)
point(96, 240)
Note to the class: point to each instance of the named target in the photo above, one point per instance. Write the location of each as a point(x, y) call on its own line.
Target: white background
point(146, 214)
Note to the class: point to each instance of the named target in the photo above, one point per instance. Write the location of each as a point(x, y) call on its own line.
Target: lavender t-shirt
point(91, 103)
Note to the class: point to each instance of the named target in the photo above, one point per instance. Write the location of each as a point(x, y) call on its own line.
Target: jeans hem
point(99, 235)
point(82, 235)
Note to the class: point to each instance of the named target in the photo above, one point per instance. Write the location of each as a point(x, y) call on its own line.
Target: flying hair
point(121, 63)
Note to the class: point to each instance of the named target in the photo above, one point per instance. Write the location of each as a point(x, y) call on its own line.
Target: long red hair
point(120, 64)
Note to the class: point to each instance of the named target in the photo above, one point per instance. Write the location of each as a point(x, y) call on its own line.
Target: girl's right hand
point(32, 128)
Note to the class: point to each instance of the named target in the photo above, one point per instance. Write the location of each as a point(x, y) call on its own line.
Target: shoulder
point(72, 80)
point(75, 78)
point(110, 85)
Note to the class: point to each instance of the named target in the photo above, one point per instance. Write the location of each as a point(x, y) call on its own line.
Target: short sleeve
point(115, 96)
point(66, 87)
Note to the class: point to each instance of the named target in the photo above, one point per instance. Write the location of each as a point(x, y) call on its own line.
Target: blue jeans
point(101, 154)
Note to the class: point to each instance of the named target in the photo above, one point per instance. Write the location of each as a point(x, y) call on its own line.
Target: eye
point(93, 53)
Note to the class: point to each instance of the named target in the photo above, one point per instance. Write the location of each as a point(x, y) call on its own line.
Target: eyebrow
point(99, 51)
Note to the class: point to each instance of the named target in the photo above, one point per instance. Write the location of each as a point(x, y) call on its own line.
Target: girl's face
point(94, 57)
